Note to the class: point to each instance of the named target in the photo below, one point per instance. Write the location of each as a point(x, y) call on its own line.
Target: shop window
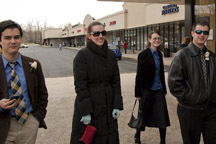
point(206, 10)
point(145, 37)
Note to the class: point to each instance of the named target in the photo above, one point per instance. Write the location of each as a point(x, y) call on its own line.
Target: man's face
point(200, 35)
point(10, 41)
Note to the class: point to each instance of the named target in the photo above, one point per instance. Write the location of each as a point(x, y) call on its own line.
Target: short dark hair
point(93, 24)
point(202, 23)
point(9, 24)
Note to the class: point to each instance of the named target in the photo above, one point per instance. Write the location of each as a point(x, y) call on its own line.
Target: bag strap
point(135, 105)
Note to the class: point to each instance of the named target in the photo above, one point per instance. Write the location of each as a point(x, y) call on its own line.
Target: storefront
point(194, 10)
point(171, 35)
point(203, 9)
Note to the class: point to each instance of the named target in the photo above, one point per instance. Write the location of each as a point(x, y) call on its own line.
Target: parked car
point(116, 51)
point(23, 46)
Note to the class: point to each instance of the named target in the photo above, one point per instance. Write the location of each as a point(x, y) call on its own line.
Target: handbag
point(88, 134)
point(136, 123)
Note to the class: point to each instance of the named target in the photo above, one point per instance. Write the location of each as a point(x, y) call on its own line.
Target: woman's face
point(155, 40)
point(97, 35)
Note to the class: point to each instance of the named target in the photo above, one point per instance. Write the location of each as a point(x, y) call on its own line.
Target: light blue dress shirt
point(20, 72)
point(157, 85)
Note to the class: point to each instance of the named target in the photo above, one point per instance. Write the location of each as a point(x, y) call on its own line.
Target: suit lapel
point(3, 81)
point(28, 76)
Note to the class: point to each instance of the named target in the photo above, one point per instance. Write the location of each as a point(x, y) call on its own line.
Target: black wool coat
point(146, 72)
point(97, 84)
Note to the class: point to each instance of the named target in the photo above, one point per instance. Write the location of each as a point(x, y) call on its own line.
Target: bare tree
point(30, 30)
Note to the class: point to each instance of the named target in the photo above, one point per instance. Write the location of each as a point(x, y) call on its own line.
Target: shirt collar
point(18, 60)
point(152, 50)
point(198, 49)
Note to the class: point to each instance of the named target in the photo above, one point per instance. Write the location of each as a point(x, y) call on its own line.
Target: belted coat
point(97, 85)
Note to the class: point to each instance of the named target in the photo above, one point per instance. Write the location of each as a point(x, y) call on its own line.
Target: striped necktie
point(20, 109)
point(204, 67)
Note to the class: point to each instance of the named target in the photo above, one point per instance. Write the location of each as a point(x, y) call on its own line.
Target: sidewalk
point(167, 60)
point(61, 106)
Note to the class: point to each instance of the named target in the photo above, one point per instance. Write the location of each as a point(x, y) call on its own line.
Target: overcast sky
point(55, 13)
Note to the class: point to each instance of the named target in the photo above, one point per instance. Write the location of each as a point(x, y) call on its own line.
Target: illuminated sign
point(112, 23)
point(168, 9)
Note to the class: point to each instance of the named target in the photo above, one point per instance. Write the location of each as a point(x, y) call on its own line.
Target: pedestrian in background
point(125, 47)
point(23, 93)
point(60, 47)
point(97, 85)
point(186, 42)
point(192, 81)
point(150, 87)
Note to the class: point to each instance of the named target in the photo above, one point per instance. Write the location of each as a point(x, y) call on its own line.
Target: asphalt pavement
point(61, 106)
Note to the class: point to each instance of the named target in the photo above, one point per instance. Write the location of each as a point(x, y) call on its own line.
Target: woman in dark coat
point(150, 87)
point(97, 84)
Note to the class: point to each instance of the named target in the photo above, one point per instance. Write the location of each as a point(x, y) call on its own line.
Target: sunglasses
point(97, 33)
point(204, 32)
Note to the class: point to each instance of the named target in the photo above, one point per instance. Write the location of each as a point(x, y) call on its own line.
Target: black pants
point(195, 122)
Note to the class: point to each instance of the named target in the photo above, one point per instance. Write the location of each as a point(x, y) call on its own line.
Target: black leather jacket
point(186, 80)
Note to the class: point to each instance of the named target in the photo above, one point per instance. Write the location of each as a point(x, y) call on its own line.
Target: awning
point(150, 1)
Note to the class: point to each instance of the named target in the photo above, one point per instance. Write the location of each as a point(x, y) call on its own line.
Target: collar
point(195, 51)
point(18, 60)
point(153, 51)
point(97, 50)
point(198, 49)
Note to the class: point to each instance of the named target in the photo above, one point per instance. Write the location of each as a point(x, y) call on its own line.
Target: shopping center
point(173, 18)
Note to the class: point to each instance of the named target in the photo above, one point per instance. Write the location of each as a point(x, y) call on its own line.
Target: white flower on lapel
point(33, 65)
point(207, 55)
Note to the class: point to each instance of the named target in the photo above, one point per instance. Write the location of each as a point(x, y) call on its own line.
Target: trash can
point(166, 52)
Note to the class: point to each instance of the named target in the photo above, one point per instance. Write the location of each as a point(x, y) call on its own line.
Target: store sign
point(78, 31)
point(168, 9)
point(112, 23)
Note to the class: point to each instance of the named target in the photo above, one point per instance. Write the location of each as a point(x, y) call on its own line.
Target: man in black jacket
point(191, 82)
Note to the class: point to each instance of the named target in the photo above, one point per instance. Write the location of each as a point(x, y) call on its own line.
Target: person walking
point(192, 81)
point(150, 88)
point(97, 85)
point(60, 47)
point(23, 93)
point(125, 47)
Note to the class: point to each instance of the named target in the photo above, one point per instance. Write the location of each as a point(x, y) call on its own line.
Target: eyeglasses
point(204, 32)
point(156, 39)
point(97, 33)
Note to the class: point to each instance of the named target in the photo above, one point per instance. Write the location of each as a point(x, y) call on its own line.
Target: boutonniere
point(33, 65)
point(207, 55)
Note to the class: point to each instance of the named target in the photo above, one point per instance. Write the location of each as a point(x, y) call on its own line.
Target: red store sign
point(112, 23)
point(78, 31)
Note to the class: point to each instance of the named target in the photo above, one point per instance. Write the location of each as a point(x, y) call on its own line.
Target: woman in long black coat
point(97, 84)
point(150, 87)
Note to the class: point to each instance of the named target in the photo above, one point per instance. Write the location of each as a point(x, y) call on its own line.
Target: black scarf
point(101, 51)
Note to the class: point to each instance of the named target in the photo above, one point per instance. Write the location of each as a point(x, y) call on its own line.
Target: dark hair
point(89, 30)
point(93, 24)
point(9, 24)
point(150, 36)
point(202, 23)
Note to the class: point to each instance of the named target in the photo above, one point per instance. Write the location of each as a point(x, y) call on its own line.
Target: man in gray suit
point(23, 93)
